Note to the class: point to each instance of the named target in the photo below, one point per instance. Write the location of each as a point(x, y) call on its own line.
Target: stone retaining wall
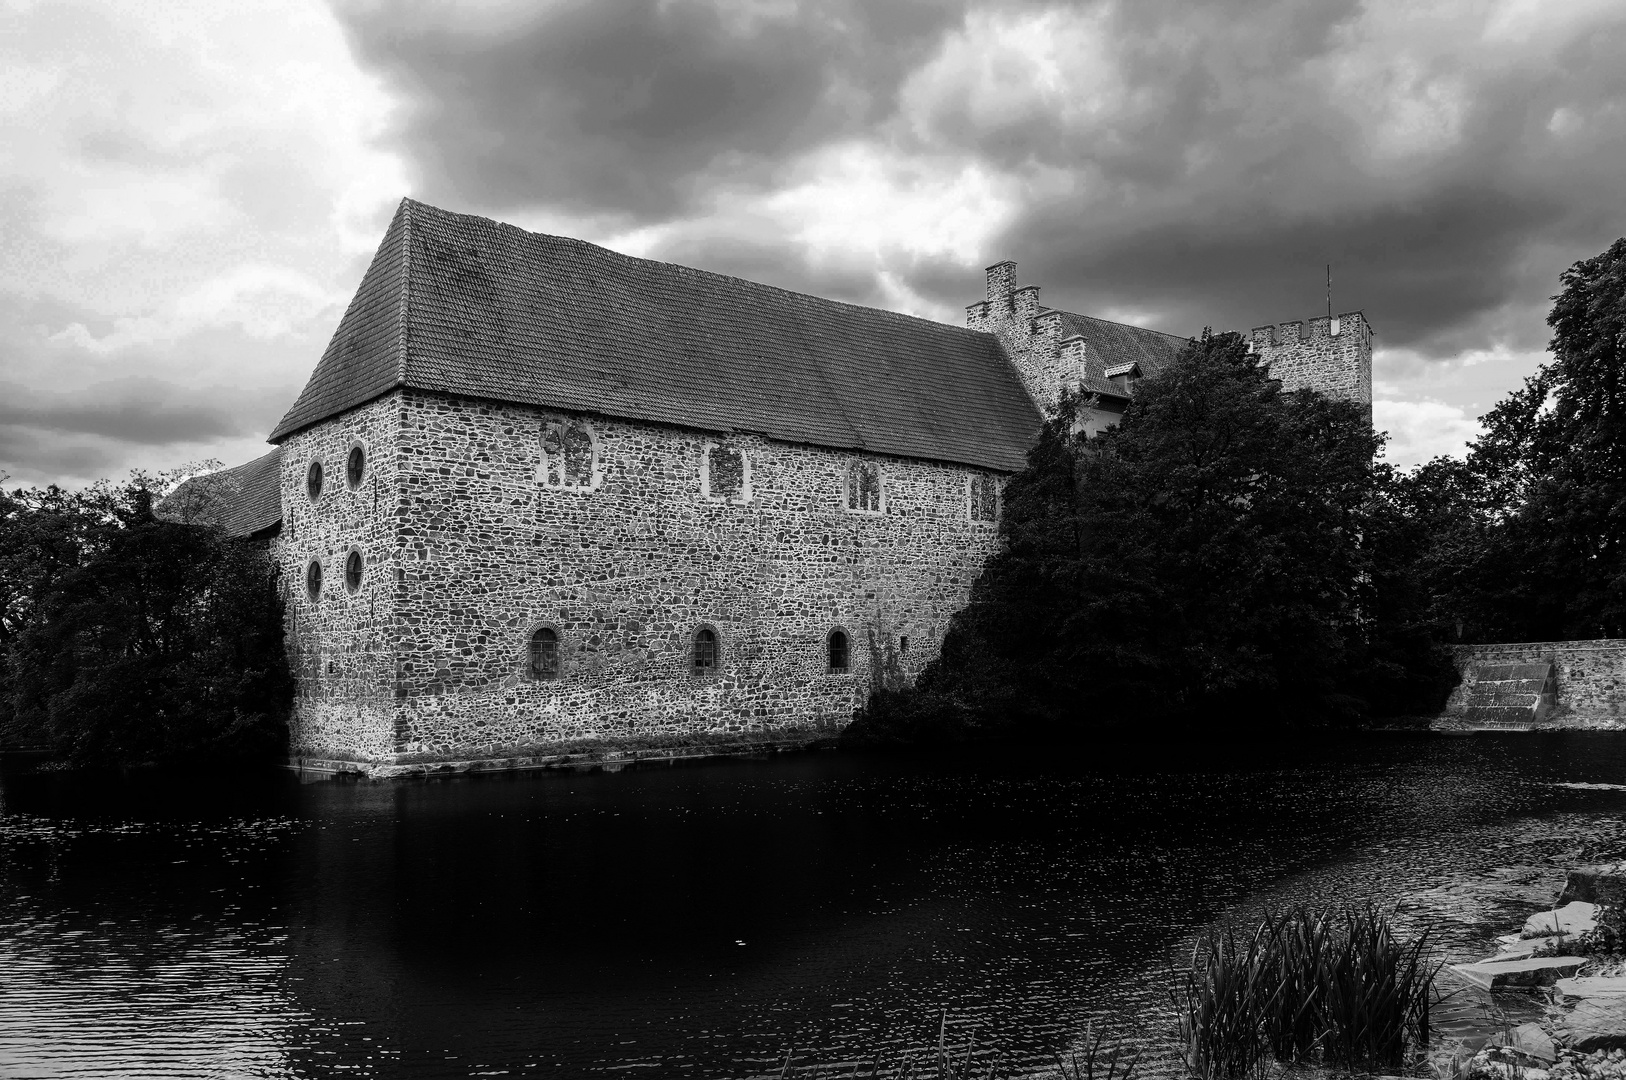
point(1591, 677)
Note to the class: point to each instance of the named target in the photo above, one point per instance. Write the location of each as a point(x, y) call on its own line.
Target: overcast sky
point(189, 193)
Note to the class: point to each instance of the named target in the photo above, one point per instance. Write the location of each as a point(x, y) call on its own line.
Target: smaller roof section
point(1114, 349)
point(242, 501)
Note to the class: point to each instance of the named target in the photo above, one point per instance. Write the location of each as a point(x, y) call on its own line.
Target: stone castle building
point(538, 495)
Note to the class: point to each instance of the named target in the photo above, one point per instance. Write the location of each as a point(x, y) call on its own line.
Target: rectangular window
point(727, 473)
point(864, 487)
point(984, 498)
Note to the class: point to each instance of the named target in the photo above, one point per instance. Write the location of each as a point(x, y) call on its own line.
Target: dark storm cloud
point(143, 411)
point(1198, 163)
point(1438, 238)
point(627, 105)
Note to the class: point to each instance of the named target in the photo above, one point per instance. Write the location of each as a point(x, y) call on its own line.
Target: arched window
point(984, 498)
point(864, 487)
point(569, 455)
point(313, 481)
point(839, 652)
point(706, 654)
point(313, 579)
point(544, 654)
point(355, 466)
point(352, 571)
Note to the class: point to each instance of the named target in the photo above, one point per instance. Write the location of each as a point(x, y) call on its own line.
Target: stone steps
point(1509, 695)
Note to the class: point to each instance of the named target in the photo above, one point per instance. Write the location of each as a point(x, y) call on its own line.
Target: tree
point(1538, 547)
point(132, 639)
point(1216, 554)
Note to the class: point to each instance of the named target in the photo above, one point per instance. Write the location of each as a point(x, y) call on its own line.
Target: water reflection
point(703, 919)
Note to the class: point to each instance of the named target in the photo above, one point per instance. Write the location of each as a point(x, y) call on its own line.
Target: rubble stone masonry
point(1334, 356)
point(468, 552)
point(1591, 677)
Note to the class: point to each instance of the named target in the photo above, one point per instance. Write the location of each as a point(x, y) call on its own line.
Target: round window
point(313, 579)
point(352, 571)
point(355, 465)
point(313, 481)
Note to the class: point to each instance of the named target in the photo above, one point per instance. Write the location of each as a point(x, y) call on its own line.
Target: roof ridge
point(1117, 322)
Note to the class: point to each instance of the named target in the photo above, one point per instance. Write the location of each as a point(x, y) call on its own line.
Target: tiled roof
point(464, 305)
point(241, 501)
point(1115, 345)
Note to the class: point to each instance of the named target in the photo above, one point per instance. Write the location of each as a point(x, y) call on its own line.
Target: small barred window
point(313, 481)
point(352, 571)
point(864, 487)
point(726, 473)
point(544, 655)
point(313, 579)
point(839, 652)
point(705, 651)
point(355, 466)
point(984, 498)
point(569, 455)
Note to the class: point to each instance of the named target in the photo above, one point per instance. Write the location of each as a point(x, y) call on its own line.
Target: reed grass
point(1334, 986)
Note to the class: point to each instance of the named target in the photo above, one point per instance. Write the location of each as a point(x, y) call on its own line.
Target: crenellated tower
point(1334, 356)
point(1031, 334)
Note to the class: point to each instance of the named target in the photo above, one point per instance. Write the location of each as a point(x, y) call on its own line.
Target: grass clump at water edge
point(1335, 987)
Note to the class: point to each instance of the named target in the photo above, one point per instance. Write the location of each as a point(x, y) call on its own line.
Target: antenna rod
point(1329, 292)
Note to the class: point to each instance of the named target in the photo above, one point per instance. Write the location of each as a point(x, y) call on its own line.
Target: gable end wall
point(342, 646)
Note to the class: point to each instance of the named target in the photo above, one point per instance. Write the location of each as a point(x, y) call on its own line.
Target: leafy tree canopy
point(128, 638)
point(1529, 533)
point(1217, 554)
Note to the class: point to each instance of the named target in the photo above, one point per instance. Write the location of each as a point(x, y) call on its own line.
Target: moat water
point(705, 919)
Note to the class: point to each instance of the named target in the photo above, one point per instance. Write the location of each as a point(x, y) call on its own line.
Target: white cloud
point(1420, 430)
point(186, 195)
point(263, 302)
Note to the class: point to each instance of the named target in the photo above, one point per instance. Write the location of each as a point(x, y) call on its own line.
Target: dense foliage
point(1219, 552)
point(1530, 530)
point(130, 639)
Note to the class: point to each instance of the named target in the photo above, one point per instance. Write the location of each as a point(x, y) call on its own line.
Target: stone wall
point(1031, 339)
point(476, 552)
point(1334, 356)
point(342, 644)
point(1591, 676)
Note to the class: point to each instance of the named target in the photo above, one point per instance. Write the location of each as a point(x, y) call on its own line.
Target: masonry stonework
point(342, 644)
point(1333, 356)
point(1031, 336)
point(469, 553)
point(1591, 678)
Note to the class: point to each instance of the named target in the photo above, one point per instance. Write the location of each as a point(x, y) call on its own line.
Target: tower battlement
point(1333, 356)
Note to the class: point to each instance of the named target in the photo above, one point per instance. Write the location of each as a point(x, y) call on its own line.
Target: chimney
point(1025, 301)
point(1001, 283)
point(1072, 359)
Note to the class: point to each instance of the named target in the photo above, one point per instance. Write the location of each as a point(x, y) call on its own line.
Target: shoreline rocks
point(1584, 1035)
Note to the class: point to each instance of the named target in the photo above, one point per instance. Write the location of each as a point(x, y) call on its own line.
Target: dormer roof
point(1113, 348)
point(464, 305)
